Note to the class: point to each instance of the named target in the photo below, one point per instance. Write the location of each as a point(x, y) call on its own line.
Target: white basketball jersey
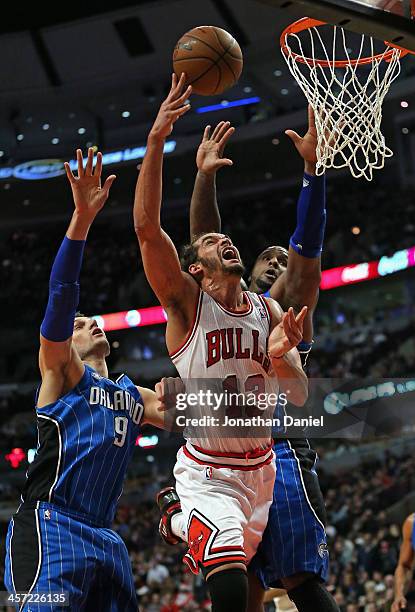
point(230, 349)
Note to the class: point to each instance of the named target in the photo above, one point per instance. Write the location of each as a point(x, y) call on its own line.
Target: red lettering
point(256, 354)
point(213, 347)
point(240, 353)
point(228, 350)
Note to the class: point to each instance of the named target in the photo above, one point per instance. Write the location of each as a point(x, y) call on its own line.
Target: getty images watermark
point(231, 409)
point(352, 409)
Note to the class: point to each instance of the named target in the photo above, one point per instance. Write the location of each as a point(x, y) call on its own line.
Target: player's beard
point(263, 285)
point(214, 265)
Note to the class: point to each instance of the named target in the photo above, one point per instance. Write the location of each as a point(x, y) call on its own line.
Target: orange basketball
point(210, 57)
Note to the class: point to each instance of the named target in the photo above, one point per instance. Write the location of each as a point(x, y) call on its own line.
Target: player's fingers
point(291, 316)
point(292, 333)
point(206, 133)
point(179, 85)
point(217, 128)
point(89, 162)
point(224, 162)
point(186, 94)
point(296, 138)
point(223, 141)
point(80, 161)
point(173, 83)
point(161, 396)
point(301, 315)
point(292, 330)
point(108, 183)
point(222, 131)
point(311, 117)
point(159, 390)
point(175, 103)
point(69, 172)
point(179, 386)
point(98, 165)
point(179, 112)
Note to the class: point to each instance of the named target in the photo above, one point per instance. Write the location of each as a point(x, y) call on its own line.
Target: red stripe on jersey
point(192, 330)
point(243, 468)
point(236, 313)
point(241, 558)
point(253, 454)
point(267, 306)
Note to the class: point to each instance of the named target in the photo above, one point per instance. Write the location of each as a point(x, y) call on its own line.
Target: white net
point(347, 100)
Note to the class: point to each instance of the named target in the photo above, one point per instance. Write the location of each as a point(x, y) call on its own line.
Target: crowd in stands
point(113, 279)
point(363, 542)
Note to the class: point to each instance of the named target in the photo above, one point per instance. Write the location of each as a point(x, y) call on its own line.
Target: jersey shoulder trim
point(233, 313)
point(267, 310)
point(178, 352)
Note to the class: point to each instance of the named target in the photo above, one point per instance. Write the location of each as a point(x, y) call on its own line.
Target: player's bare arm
point(176, 290)
point(204, 211)
point(60, 365)
point(403, 572)
point(286, 334)
point(162, 399)
point(299, 285)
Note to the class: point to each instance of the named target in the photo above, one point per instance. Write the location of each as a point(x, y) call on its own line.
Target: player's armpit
point(61, 370)
point(299, 285)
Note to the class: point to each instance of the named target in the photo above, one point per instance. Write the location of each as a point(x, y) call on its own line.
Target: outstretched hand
point(399, 603)
point(167, 391)
point(89, 197)
point(306, 145)
point(287, 334)
point(209, 158)
point(172, 108)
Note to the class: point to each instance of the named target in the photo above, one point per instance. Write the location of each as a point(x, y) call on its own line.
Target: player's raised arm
point(286, 334)
point(403, 572)
point(160, 258)
point(59, 362)
point(299, 285)
point(204, 211)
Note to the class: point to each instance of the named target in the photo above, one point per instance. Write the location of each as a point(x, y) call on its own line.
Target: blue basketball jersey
point(85, 441)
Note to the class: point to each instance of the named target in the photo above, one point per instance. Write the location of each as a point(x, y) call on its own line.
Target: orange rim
point(305, 23)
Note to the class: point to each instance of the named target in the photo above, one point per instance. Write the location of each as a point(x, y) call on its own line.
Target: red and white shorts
point(225, 500)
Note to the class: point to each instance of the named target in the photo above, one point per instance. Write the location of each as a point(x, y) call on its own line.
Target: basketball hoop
point(345, 93)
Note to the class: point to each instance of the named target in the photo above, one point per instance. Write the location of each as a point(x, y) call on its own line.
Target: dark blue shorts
point(294, 540)
point(49, 549)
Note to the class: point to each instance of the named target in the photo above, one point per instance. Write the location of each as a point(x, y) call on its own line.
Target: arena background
point(96, 79)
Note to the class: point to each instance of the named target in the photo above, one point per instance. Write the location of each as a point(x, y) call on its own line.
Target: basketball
point(210, 57)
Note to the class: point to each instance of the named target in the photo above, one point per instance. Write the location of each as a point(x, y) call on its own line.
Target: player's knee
point(311, 595)
point(228, 589)
point(291, 582)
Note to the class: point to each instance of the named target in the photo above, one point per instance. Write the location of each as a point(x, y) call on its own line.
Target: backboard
point(391, 20)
